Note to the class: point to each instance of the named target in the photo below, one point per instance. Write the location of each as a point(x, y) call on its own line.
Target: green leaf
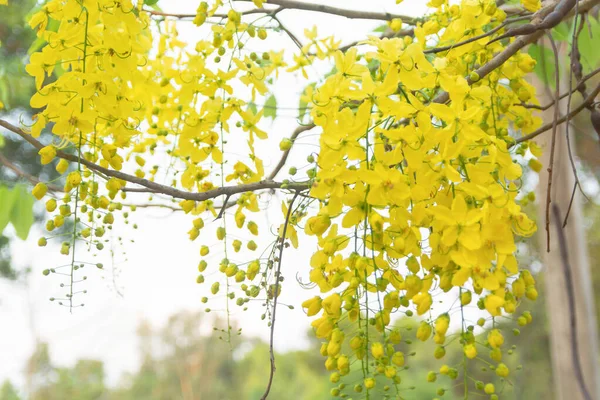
point(7, 201)
point(544, 68)
point(271, 107)
point(150, 2)
point(22, 212)
point(252, 107)
point(303, 106)
point(380, 28)
point(588, 43)
point(562, 32)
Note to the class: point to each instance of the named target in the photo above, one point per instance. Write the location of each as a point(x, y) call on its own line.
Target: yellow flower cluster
point(402, 176)
point(415, 186)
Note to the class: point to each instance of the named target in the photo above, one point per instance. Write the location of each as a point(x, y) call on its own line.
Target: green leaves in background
point(544, 68)
point(303, 106)
point(588, 45)
point(271, 107)
point(563, 32)
point(16, 207)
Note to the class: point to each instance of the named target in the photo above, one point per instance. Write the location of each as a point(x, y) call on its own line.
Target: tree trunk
point(565, 376)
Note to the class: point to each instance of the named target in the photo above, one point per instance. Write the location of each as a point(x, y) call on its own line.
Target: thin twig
point(276, 295)
point(585, 104)
point(575, 67)
point(20, 173)
point(217, 15)
point(564, 95)
point(475, 38)
point(224, 207)
point(285, 155)
point(342, 12)
point(157, 187)
point(548, 17)
point(291, 35)
point(514, 47)
point(570, 204)
point(153, 205)
point(553, 143)
point(138, 190)
point(564, 255)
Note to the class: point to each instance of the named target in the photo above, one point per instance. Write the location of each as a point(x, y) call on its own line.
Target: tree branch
point(579, 86)
point(475, 38)
point(157, 187)
point(585, 104)
point(553, 143)
point(276, 295)
point(518, 44)
point(20, 173)
point(217, 15)
point(564, 256)
point(342, 12)
point(285, 155)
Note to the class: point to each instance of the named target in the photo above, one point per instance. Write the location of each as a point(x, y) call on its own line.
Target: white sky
point(158, 278)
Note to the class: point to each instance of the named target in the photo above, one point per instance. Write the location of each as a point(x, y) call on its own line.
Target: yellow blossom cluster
point(414, 189)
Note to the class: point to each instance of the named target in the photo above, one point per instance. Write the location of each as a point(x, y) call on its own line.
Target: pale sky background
point(158, 277)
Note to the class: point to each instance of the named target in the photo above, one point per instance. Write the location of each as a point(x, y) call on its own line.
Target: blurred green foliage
point(181, 363)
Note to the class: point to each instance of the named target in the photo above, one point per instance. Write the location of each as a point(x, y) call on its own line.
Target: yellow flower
point(424, 331)
point(313, 306)
point(398, 359)
point(493, 305)
point(423, 302)
point(74, 179)
point(531, 5)
point(377, 350)
point(39, 190)
point(495, 338)
point(396, 24)
point(332, 305)
point(462, 224)
point(317, 225)
point(47, 154)
point(470, 351)
point(62, 166)
point(441, 324)
point(502, 370)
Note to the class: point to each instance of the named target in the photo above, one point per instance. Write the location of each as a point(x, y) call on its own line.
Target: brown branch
point(153, 205)
point(20, 173)
point(553, 143)
point(576, 71)
point(290, 34)
point(475, 38)
point(517, 45)
point(157, 187)
point(551, 16)
point(564, 256)
point(285, 155)
point(585, 104)
point(570, 204)
point(578, 88)
point(342, 12)
point(299, 5)
point(138, 190)
point(276, 295)
point(390, 34)
point(217, 15)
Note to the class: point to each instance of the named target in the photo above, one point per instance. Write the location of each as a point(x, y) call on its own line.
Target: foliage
point(415, 190)
point(177, 365)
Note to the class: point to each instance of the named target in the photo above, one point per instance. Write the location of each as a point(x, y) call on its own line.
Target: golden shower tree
point(423, 129)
